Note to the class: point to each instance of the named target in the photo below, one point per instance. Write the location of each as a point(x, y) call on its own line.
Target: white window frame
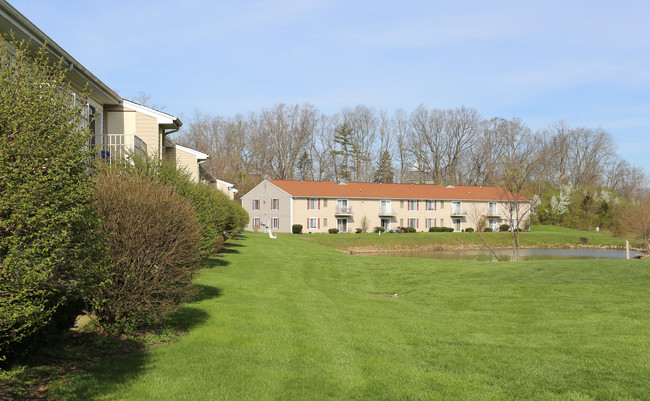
point(256, 204)
point(256, 222)
point(313, 203)
point(432, 205)
point(431, 222)
point(275, 204)
point(412, 220)
point(275, 223)
point(313, 223)
point(413, 204)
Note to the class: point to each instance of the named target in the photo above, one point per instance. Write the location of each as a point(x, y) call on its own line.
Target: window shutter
point(408, 205)
point(417, 223)
point(307, 203)
point(319, 207)
point(417, 205)
point(319, 222)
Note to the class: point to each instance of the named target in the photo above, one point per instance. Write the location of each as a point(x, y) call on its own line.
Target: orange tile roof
point(329, 189)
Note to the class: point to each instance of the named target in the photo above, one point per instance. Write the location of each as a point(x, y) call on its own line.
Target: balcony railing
point(458, 211)
point(344, 210)
point(493, 211)
point(387, 211)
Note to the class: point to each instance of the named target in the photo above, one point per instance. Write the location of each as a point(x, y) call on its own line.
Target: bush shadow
point(215, 261)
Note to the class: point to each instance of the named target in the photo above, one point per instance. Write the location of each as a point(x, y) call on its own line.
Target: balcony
point(387, 211)
point(458, 211)
point(343, 211)
point(493, 212)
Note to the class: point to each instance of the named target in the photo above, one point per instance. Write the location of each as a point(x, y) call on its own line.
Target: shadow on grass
point(204, 292)
point(215, 261)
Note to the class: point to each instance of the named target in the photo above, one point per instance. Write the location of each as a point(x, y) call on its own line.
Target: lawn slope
point(288, 319)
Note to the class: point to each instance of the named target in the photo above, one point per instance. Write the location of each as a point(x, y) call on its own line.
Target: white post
point(627, 249)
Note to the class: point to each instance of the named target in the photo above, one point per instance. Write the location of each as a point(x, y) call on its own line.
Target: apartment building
point(321, 205)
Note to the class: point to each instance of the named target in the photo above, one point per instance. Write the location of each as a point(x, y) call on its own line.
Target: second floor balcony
point(387, 211)
point(342, 210)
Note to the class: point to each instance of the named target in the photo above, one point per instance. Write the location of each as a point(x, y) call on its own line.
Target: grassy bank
point(538, 237)
point(287, 319)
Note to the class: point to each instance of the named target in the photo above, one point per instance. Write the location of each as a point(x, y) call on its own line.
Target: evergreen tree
point(384, 173)
point(344, 137)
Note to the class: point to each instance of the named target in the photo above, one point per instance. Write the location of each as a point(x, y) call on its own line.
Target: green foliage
point(379, 229)
point(487, 230)
point(409, 229)
point(218, 216)
point(153, 238)
point(384, 172)
point(469, 230)
point(504, 227)
point(333, 230)
point(47, 253)
point(441, 230)
point(359, 230)
point(296, 229)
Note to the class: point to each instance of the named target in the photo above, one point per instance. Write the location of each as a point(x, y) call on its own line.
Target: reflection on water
point(506, 254)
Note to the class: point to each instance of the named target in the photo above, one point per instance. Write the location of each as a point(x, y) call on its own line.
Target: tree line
point(426, 145)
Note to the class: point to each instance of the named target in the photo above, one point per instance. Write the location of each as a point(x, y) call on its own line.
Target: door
point(342, 206)
point(342, 225)
point(385, 223)
point(456, 224)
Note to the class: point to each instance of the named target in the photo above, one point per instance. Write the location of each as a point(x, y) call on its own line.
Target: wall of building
point(265, 192)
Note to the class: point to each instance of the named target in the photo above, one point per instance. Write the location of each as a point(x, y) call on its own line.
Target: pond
point(506, 254)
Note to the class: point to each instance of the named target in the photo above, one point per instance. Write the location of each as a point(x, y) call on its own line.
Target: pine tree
point(344, 138)
point(384, 173)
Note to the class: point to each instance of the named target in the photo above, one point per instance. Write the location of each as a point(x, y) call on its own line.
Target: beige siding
point(265, 192)
point(186, 161)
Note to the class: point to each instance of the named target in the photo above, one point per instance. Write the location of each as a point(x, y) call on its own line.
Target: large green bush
point(153, 239)
point(219, 216)
point(48, 257)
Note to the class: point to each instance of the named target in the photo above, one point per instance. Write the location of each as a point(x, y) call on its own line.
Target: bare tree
point(519, 162)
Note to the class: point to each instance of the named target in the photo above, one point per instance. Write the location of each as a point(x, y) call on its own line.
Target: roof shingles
point(329, 189)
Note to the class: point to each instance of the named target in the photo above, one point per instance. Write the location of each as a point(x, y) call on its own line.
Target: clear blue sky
point(584, 62)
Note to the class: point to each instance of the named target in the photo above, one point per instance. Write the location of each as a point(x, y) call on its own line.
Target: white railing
point(344, 209)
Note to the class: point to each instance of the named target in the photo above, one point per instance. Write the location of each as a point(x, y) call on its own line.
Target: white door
point(342, 225)
point(456, 224)
point(385, 223)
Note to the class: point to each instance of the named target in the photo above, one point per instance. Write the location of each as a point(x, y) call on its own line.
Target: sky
point(586, 63)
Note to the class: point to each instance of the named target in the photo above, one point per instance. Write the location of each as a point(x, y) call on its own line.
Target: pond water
point(506, 254)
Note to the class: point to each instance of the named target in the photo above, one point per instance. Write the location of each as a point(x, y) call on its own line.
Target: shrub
point(469, 230)
point(379, 229)
point(487, 229)
point(296, 228)
point(441, 230)
point(333, 230)
point(218, 216)
point(504, 227)
point(47, 252)
point(409, 229)
point(359, 230)
point(153, 239)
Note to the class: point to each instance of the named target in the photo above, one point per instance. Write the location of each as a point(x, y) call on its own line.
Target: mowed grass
point(288, 319)
point(539, 237)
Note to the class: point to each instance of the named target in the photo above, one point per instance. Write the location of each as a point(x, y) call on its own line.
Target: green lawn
point(538, 237)
point(288, 319)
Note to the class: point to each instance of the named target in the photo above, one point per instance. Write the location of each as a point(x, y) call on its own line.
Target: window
point(413, 222)
point(314, 222)
point(275, 204)
point(431, 205)
point(256, 222)
point(442, 222)
point(324, 202)
point(401, 222)
point(493, 208)
point(275, 223)
point(325, 222)
point(413, 205)
point(313, 203)
point(442, 204)
point(401, 204)
point(256, 204)
point(431, 222)
point(456, 207)
point(384, 207)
